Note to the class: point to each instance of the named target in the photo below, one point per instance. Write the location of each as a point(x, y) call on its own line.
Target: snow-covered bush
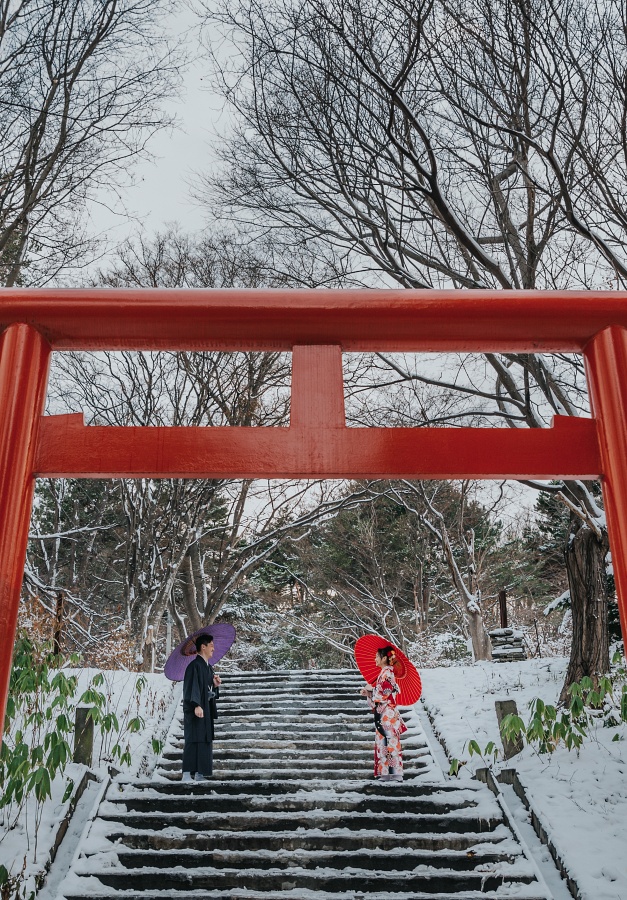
point(35, 748)
point(40, 722)
point(589, 703)
point(131, 715)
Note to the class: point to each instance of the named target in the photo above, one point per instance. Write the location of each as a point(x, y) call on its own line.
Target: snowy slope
point(580, 798)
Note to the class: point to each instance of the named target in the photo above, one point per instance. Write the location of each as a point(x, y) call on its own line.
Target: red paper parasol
point(180, 658)
point(406, 674)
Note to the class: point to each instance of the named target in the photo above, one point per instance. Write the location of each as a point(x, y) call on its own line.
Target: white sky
point(163, 185)
point(161, 192)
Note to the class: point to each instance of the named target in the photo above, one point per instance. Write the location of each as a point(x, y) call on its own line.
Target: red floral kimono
point(388, 754)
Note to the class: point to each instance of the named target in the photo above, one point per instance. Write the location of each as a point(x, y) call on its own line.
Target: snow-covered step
point(348, 756)
point(297, 798)
point(311, 840)
point(96, 890)
point(265, 728)
point(324, 676)
point(238, 749)
point(337, 881)
point(311, 771)
point(454, 823)
point(293, 813)
point(294, 693)
point(529, 892)
point(227, 745)
point(296, 715)
point(395, 860)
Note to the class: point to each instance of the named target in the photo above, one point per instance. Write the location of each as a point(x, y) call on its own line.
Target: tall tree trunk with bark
point(585, 555)
point(481, 643)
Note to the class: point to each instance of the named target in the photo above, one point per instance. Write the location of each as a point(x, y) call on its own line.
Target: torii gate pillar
point(606, 369)
point(24, 364)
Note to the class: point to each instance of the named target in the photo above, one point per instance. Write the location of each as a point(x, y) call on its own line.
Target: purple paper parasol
point(180, 658)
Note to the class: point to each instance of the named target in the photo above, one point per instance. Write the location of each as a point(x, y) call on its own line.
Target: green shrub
point(39, 722)
point(549, 726)
point(588, 704)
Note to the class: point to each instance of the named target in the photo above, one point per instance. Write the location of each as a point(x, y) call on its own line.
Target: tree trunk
point(585, 564)
point(190, 597)
point(417, 609)
point(426, 602)
point(198, 575)
point(57, 626)
point(481, 643)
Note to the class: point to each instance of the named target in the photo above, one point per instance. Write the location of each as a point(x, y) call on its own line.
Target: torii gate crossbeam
point(317, 326)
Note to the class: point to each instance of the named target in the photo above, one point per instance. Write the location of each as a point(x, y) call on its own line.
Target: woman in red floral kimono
point(388, 754)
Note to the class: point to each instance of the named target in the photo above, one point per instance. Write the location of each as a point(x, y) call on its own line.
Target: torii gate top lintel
point(277, 319)
point(316, 326)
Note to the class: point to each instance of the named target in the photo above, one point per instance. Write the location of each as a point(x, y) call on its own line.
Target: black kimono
point(198, 690)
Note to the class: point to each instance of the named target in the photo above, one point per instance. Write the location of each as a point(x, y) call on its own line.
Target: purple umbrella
point(180, 658)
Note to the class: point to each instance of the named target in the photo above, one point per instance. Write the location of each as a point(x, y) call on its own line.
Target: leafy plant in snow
point(35, 748)
point(11, 886)
point(549, 727)
point(105, 719)
point(489, 755)
point(39, 721)
point(588, 704)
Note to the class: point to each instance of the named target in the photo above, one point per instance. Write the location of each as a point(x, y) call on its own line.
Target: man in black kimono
point(201, 689)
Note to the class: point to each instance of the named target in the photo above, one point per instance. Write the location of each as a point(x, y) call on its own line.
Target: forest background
point(400, 144)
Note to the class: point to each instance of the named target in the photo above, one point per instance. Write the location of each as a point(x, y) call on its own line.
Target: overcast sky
point(162, 190)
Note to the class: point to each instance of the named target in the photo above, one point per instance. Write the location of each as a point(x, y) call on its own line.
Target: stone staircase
point(293, 812)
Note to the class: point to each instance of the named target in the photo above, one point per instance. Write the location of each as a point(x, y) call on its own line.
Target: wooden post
point(24, 360)
point(83, 737)
point(503, 608)
point(606, 370)
point(507, 708)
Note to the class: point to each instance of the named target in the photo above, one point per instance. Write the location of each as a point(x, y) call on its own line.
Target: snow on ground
point(155, 703)
point(580, 798)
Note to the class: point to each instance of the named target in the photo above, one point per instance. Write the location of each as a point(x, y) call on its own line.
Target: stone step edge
point(501, 833)
point(107, 894)
point(486, 854)
point(506, 878)
point(327, 819)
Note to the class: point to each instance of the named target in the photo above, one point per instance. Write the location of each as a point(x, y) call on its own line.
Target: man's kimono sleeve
point(192, 688)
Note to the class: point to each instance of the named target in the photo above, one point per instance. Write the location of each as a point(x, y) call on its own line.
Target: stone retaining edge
point(487, 777)
point(510, 776)
point(63, 826)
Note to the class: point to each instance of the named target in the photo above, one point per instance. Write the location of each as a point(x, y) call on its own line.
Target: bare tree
point(81, 90)
point(445, 144)
point(468, 589)
point(372, 567)
point(187, 545)
point(70, 567)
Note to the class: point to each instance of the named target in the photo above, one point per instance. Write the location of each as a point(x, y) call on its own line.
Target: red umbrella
point(406, 674)
point(223, 636)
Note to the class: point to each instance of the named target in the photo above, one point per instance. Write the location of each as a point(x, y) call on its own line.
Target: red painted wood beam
point(68, 448)
point(24, 360)
point(606, 367)
point(359, 320)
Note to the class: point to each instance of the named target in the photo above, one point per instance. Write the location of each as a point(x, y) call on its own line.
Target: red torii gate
point(316, 326)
